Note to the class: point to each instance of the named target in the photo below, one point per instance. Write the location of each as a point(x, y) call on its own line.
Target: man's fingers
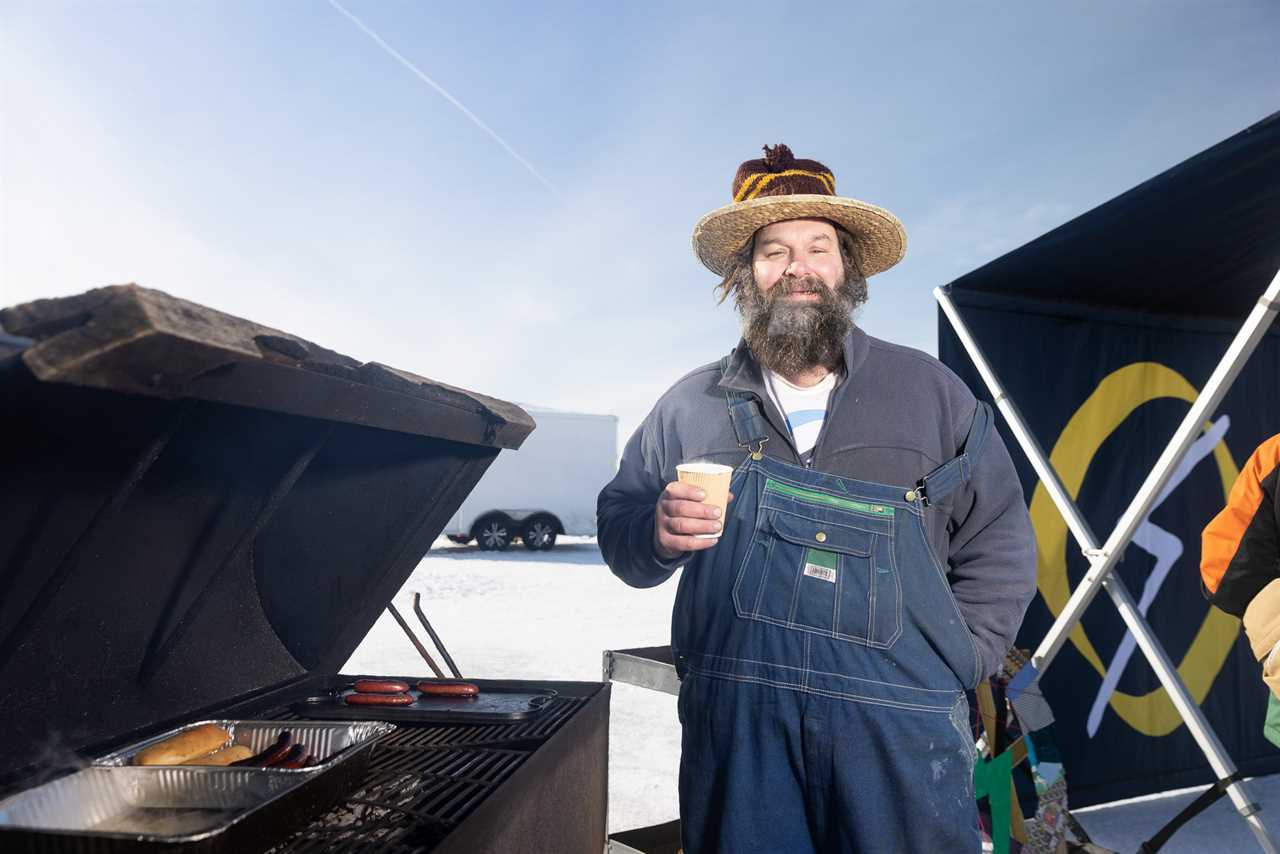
point(686, 491)
point(690, 544)
point(683, 513)
point(692, 509)
point(683, 525)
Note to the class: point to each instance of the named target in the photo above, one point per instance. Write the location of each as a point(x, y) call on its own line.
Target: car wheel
point(539, 533)
point(493, 532)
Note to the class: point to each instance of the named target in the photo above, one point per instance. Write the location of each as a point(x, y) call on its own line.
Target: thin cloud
point(452, 100)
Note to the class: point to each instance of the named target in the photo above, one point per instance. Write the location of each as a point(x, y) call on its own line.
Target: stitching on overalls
point(763, 520)
point(764, 578)
point(808, 646)
point(796, 575)
point(746, 557)
point(840, 695)
point(885, 522)
point(872, 560)
point(838, 598)
point(871, 592)
point(895, 502)
point(841, 676)
point(897, 580)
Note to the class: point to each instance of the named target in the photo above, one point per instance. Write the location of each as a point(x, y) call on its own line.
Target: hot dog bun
point(190, 744)
point(225, 756)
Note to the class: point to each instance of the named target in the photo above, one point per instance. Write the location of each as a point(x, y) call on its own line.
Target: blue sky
point(269, 159)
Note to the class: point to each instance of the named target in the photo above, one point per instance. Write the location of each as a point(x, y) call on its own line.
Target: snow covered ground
point(550, 615)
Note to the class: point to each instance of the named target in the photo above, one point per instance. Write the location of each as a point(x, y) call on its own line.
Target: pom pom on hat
point(778, 158)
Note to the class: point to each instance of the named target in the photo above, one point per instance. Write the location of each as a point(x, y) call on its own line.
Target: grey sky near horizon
point(275, 162)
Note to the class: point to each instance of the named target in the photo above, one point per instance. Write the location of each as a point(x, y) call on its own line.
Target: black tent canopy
point(1093, 340)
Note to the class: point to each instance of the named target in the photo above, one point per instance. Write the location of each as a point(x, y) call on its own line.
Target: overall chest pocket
point(821, 576)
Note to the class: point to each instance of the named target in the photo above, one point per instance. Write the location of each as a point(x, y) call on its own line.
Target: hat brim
point(720, 234)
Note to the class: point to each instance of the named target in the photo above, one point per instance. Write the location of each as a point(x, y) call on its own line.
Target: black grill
point(423, 781)
point(188, 535)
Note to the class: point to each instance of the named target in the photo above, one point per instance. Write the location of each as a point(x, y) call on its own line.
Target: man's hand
point(681, 514)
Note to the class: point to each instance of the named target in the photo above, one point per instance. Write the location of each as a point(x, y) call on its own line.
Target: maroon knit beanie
point(779, 173)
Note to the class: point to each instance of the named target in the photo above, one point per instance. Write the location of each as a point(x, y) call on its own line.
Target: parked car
point(545, 489)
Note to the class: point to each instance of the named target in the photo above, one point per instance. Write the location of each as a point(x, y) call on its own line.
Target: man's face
point(798, 305)
point(802, 254)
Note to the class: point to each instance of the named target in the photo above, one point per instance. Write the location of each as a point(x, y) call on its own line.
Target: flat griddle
point(493, 705)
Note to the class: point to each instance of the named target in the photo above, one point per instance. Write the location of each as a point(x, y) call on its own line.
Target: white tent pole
point(1219, 760)
point(1102, 560)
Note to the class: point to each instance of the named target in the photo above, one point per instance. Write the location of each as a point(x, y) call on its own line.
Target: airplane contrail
point(452, 100)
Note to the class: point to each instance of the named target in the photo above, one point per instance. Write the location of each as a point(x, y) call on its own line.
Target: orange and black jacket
point(1241, 546)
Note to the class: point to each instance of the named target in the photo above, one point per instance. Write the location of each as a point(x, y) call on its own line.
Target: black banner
point(1103, 331)
point(1103, 396)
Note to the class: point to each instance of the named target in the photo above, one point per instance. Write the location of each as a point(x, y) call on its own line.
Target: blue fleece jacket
point(895, 415)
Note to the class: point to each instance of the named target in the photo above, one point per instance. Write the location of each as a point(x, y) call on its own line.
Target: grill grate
point(540, 727)
point(422, 781)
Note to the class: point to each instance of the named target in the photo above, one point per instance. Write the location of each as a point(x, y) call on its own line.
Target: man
point(874, 562)
point(1240, 564)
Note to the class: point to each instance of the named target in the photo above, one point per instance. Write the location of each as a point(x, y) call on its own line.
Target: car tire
point(539, 533)
point(493, 532)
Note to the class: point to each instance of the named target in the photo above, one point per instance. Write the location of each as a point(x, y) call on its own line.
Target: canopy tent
point(1094, 340)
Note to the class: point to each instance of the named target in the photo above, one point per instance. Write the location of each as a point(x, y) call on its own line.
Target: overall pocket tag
point(820, 564)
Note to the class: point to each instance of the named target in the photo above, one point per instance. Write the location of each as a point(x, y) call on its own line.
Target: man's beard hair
point(791, 337)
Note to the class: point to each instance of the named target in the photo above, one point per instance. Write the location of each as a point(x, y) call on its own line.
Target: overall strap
point(744, 413)
point(940, 482)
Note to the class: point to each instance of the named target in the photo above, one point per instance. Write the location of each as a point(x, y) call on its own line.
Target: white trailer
point(546, 488)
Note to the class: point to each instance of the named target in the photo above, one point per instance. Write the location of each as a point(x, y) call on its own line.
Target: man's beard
point(791, 337)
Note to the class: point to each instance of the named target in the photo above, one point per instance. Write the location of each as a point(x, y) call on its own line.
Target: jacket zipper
point(822, 431)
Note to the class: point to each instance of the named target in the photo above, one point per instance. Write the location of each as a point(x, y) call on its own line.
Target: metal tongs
point(435, 638)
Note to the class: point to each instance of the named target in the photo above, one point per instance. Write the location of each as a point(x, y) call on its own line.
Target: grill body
point(204, 517)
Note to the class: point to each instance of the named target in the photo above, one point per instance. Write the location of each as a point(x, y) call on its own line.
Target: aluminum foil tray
point(112, 806)
point(325, 740)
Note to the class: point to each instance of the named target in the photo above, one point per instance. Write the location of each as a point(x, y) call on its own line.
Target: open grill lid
point(197, 507)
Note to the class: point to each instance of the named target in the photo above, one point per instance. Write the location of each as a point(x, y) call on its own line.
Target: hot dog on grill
point(381, 686)
point(189, 744)
point(448, 689)
point(306, 760)
point(275, 753)
point(293, 759)
point(378, 699)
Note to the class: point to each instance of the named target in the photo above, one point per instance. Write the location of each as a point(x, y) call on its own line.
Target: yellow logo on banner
point(1115, 398)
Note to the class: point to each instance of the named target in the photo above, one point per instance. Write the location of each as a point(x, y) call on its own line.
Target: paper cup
point(713, 479)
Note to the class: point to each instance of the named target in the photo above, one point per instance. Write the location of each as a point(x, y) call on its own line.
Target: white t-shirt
point(804, 408)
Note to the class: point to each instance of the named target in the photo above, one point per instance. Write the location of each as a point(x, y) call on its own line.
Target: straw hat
point(780, 187)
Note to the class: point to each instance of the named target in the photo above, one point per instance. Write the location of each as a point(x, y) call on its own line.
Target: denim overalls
point(823, 664)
